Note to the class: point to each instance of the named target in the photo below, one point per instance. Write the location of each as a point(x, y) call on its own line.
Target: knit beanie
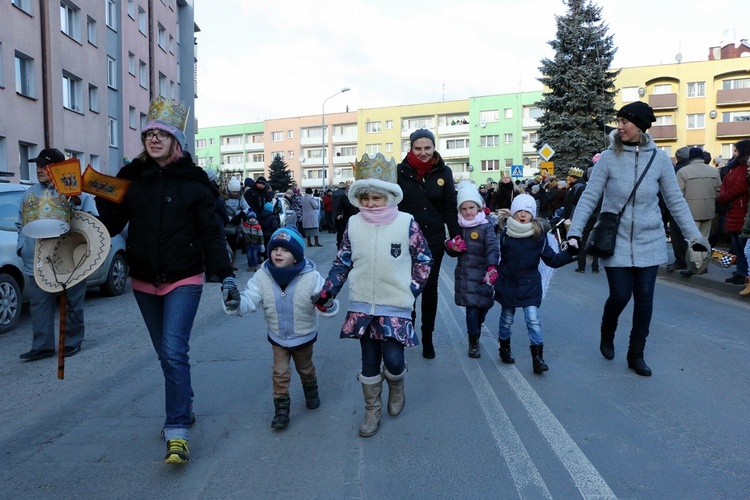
point(695, 153)
point(523, 202)
point(639, 113)
point(234, 184)
point(467, 191)
point(682, 153)
point(419, 134)
point(289, 238)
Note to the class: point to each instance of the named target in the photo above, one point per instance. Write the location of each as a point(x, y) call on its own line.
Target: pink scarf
point(379, 216)
point(476, 221)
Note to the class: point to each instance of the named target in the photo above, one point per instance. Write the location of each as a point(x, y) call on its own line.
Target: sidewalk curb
point(715, 283)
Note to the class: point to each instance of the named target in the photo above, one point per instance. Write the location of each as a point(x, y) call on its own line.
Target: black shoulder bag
point(601, 241)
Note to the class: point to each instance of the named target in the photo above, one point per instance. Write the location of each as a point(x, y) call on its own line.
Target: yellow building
point(386, 130)
point(704, 104)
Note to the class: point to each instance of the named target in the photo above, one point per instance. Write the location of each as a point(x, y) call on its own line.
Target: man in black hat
point(43, 305)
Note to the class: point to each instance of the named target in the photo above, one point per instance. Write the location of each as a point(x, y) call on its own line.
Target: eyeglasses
point(158, 134)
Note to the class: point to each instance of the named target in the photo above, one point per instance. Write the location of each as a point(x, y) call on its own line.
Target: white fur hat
point(468, 191)
point(523, 202)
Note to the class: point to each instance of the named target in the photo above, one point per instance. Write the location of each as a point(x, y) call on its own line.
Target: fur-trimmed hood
point(389, 189)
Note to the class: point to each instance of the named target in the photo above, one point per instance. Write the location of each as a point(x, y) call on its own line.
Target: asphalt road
point(471, 428)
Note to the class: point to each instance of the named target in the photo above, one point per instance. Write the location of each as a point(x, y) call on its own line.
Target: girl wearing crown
point(386, 259)
point(172, 239)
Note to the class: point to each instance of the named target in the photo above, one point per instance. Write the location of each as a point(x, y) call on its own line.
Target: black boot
point(312, 398)
point(428, 350)
point(474, 347)
point(536, 356)
point(281, 418)
point(607, 344)
point(506, 356)
point(636, 362)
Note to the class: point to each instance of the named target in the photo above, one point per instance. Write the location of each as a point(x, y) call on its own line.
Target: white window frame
point(200, 143)
point(290, 134)
point(490, 165)
point(93, 98)
point(277, 136)
point(25, 75)
point(143, 74)
point(389, 147)
point(112, 132)
point(161, 36)
point(507, 138)
point(72, 88)
point(735, 83)
point(258, 157)
point(372, 149)
point(389, 124)
point(372, 127)
point(91, 34)
point(735, 116)
point(508, 113)
point(348, 150)
point(696, 89)
point(70, 21)
point(110, 14)
point(142, 21)
point(629, 94)
point(696, 121)
point(663, 120)
point(290, 153)
point(489, 115)
point(457, 143)
point(489, 141)
point(111, 73)
point(661, 89)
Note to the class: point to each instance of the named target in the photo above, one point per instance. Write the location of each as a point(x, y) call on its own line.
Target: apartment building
point(704, 103)
point(79, 76)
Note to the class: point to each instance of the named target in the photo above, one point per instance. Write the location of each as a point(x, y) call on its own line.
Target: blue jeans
point(169, 319)
point(474, 319)
point(390, 351)
point(253, 255)
point(625, 282)
point(737, 247)
point(530, 314)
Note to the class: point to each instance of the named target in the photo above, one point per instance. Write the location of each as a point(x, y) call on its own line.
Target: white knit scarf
point(517, 229)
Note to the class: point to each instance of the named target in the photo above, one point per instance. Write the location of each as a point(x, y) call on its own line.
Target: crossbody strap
point(632, 193)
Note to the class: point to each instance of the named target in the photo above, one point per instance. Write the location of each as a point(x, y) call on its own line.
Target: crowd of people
point(395, 224)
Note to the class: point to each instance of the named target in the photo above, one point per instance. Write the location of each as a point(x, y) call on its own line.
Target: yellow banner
point(106, 186)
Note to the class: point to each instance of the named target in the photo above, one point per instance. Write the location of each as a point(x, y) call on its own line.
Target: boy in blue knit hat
point(282, 288)
point(252, 234)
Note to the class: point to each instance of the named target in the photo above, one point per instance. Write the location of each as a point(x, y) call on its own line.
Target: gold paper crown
point(48, 206)
point(575, 172)
point(170, 111)
point(375, 168)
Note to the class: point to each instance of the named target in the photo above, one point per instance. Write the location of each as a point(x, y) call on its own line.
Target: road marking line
point(585, 476)
point(526, 477)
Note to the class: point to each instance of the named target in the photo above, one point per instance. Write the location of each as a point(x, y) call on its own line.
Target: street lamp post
point(323, 156)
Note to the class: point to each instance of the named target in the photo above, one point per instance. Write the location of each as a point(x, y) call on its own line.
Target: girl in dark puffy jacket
point(523, 243)
point(478, 252)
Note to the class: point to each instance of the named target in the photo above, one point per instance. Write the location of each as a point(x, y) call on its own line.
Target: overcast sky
point(262, 59)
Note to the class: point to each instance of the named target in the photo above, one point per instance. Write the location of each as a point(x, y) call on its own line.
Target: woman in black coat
point(430, 197)
point(172, 238)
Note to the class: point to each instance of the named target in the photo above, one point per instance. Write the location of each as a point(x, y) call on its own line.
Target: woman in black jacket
point(172, 238)
point(430, 197)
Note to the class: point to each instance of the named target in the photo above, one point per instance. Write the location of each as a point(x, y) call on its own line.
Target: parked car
point(110, 277)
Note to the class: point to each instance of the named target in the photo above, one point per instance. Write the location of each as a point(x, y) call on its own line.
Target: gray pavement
point(471, 428)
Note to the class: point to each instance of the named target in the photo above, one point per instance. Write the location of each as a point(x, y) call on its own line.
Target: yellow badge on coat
point(474, 235)
point(441, 182)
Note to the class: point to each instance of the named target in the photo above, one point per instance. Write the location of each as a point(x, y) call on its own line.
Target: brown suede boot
point(372, 387)
point(746, 291)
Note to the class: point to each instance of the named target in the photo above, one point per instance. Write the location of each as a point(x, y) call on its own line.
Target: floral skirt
point(358, 324)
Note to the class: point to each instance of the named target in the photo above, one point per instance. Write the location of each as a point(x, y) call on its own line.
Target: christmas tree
point(578, 100)
point(279, 175)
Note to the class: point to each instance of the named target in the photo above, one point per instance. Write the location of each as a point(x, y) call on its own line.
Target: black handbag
point(603, 236)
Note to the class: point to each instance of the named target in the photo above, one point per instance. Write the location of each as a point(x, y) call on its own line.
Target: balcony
point(455, 153)
point(732, 97)
point(344, 138)
point(663, 101)
point(733, 129)
point(453, 129)
point(232, 148)
point(663, 132)
point(310, 141)
point(254, 146)
point(344, 160)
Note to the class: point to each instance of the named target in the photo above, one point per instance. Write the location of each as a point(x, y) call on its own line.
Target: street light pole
point(323, 156)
